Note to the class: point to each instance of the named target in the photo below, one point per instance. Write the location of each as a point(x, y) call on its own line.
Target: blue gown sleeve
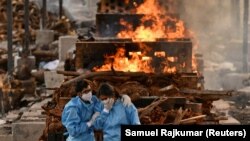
point(100, 120)
point(73, 123)
point(98, 105)
point(132, 115)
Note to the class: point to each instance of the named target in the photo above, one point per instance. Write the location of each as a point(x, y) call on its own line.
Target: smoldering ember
point(179, 62)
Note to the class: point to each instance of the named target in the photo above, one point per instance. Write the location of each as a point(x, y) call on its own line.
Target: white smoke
point(219, 32)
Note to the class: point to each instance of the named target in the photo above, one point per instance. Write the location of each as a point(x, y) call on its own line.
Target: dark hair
point(80, 85)
point(107, 90)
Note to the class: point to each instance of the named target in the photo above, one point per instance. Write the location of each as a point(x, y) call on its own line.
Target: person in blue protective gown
point(114, 113)
point(81, 111)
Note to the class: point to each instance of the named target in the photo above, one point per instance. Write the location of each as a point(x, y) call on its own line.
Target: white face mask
point(105, 101)
point(87, 96)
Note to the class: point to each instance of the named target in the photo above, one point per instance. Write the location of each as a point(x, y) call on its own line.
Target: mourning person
point(114, 113)
point(81, 111)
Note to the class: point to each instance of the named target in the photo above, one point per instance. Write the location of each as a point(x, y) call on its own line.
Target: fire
point(170, 70)
point(196, 44)
point(126, 1)
point(160, 54)
point(172, 59)
point(156, 23)
point(138, 62)
point(119, 62)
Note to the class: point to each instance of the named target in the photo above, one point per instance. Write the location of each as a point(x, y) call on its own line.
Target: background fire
point(156, 23)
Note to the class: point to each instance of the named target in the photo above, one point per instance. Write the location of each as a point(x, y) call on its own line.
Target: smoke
point(216, 25)
point(79, 10)
point(208, 18)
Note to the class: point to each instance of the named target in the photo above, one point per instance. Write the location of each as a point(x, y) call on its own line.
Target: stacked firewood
point(155, 114)
point(62, 25)
point(13, 90)
point(3, 59)
point(174, 102)
point(18, 20)
point(53, 110)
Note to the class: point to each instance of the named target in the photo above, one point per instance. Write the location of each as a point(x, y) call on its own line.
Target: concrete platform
point(27, 131)
point(230, 121)
point(22, 131)
point(5, 133)
point(28, 127)
point(6, 137)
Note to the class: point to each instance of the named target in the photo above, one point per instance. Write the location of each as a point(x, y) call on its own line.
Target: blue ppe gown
point(75, 116)
point(110, 122)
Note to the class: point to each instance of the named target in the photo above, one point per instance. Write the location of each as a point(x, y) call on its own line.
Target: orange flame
point(153, 26)
point(160, 54)
point(126, 1)
point(119, 62)
point(136, 62)
point(196, 45)
point(153, 15)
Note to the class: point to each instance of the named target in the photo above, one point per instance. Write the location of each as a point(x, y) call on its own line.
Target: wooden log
point(210, 95)
point(3, 16)
point(146, 110)
point(23, 71)
point(55, 126)
point(133, 89)
point(43, 53)
point(3, 61)
point(27, 83)
point(190, 122)
point(51, 88)
point(167, 88)
point(103, 73)
point(55, 112)
point(112, 78)
point(24, 86)
point(38, 75)
point(195, 107)
point(68, 73)
point(193, 118)
point(63, 101)
point(179, 116)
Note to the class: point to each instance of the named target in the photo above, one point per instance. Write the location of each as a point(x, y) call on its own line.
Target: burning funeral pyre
point(146, 52)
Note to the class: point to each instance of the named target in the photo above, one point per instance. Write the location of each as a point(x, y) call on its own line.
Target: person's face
point(103, 97)
point(86, 94)
point(86, 90)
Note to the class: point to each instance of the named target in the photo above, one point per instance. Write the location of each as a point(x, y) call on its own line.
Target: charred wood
point(44, 54)
point(68, 73)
